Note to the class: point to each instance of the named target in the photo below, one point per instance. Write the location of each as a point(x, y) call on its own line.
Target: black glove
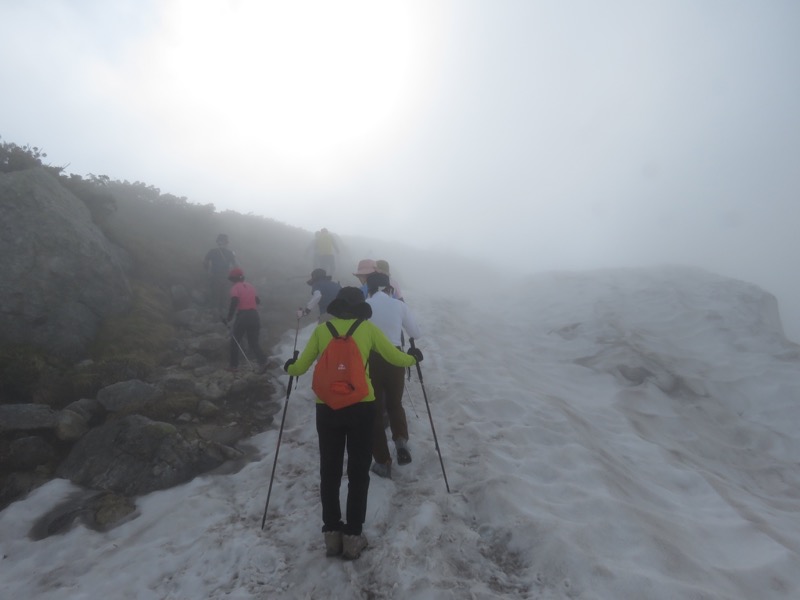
point(416, 353)
point(288, 363)
point(306, 312)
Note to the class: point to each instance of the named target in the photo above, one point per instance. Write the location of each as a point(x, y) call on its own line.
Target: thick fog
point(537, 135)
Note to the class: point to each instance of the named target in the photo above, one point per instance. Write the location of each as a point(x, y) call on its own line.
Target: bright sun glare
point(309, 85)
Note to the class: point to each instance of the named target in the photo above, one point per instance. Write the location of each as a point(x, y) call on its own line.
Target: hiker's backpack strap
point(353, 327)
point(332, 329)
point(351, 331)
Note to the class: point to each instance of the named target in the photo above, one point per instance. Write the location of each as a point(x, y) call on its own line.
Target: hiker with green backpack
point(345, 411)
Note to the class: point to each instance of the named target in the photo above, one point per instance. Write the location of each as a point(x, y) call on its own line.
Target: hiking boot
point(382, 469)
point(352, 545)
point(333, 543)
point(403, 455)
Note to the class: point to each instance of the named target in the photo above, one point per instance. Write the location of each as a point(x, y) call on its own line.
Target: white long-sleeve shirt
point(392, 317)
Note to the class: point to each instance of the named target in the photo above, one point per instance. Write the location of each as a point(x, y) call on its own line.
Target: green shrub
point(129, 346)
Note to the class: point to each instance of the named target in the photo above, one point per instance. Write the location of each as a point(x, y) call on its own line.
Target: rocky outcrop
point(59, 276)
point(127, 395)
point(26, 417)
point(136, 455)
point(98, 511)
point(138, 436)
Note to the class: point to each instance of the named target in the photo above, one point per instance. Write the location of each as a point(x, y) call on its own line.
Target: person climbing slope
point(348, 428)
point(323, 291)
point(382, 266)
point(324, 248)
point(392, 317)
point(244, 306)
point(217, 263)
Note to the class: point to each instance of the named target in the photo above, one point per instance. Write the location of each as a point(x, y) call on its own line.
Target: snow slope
point(606, 435)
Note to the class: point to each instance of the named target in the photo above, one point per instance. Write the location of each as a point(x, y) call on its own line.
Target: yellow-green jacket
point(367, 337)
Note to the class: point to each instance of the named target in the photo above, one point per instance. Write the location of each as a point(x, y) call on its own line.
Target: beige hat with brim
point(365, 267)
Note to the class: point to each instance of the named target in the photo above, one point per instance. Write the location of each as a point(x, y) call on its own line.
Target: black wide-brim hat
point(350, 304)
point(316, 275)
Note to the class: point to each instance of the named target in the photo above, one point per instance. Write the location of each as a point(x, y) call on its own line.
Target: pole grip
point(419, 370)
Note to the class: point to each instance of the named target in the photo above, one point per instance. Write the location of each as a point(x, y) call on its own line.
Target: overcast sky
point(539, 134)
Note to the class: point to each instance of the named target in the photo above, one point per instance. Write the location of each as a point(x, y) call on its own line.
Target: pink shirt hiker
point(246, 294)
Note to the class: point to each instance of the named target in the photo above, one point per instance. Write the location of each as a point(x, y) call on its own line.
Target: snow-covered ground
point(606, 435)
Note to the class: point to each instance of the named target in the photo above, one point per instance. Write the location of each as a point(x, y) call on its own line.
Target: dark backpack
point(340, 377)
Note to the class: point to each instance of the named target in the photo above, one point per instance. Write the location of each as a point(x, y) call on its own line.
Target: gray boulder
point(59, 276)
point(88, 408)
point(211, 346)
point(28, 452)
point(194, 361)
point(77, 417)
point(26, 417)
point(135, 455)
point(70, 425)
point(133, 394)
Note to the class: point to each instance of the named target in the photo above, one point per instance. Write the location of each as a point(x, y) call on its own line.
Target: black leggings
point(350, 428)
point(247, 323)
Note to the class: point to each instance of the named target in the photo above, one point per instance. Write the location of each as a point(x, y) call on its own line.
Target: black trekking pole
point(278, 446)
point(430, 418)
point(296, 332)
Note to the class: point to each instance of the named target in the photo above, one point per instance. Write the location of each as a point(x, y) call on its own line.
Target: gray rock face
point(59, 275)
point(136, 455)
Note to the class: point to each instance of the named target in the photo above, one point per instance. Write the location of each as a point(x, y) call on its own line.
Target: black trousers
point(347, 428)
point(247, 323)
point(388, 381)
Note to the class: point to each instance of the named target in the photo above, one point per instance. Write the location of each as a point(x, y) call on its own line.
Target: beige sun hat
point(382, 266)
point(365, 267)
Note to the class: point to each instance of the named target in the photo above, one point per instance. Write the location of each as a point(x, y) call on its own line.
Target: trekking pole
point(233, 337)
point(430, 418)
point(297, 329)
point(278, 446)
point(296, 332)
